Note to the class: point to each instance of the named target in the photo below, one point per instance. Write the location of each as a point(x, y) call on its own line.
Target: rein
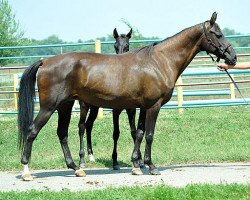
point(236, 87)
point(231, 78)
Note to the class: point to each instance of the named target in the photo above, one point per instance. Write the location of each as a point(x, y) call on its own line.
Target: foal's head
point(214, 42)
point(121, 42)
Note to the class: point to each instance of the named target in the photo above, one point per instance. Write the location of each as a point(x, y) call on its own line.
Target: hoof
point(80, 173)
point(116, 167)
point(27, 177)
point(91, 158)
point(136, 171)
point(154, 172)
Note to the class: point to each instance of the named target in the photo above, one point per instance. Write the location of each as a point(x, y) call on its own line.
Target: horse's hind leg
point(81, 126)
point(64, 115)
point(40, 120)
point(89, 125)
point(116, 134)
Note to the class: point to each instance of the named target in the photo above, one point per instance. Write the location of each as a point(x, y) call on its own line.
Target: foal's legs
point(116, 134)
point(64, 115)
point(131, 118)
point(89, 125)
point(40, 120)
point(84, 110)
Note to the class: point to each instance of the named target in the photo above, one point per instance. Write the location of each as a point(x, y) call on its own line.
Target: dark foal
point(144, 78)
point(121, 46)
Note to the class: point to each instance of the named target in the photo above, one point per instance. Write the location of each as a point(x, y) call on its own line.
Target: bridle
point(219, 48)
point(221, 51)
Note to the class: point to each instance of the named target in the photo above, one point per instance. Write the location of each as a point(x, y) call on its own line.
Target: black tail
point(25, 101)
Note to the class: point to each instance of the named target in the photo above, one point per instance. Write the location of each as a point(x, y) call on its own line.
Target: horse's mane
point(150, 47)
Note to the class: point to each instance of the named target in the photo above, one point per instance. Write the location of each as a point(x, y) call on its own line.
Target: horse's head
point(121, 42)
point(215, 42)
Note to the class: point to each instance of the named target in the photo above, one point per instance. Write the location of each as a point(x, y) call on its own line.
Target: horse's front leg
point(151, 117)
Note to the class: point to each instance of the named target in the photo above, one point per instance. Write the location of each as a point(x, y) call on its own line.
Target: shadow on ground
point(101, 171)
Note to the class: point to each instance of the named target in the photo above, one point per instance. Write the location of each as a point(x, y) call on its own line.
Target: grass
point(232, 191)
point(197, 136)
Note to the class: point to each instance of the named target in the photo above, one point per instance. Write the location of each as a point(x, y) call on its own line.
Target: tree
point(10, 32)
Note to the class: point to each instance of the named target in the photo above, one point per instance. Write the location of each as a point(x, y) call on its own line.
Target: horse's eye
point(218, 34)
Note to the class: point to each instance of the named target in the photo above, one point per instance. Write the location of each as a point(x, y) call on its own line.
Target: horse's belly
point(113, 102)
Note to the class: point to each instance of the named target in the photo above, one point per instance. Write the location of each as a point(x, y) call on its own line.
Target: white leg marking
point(91, 158)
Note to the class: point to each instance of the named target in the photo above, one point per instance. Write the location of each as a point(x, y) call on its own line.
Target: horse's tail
point(25, 101)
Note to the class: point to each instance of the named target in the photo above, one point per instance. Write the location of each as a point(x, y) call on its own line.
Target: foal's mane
point(150, 47)
point(123, 35)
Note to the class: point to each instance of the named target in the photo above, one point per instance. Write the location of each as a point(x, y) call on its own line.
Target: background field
point(196, 136)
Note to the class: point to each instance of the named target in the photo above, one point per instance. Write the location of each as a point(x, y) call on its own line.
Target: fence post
point(98, 50)
point(232, 89)
point(180, 94)
point(15, 81)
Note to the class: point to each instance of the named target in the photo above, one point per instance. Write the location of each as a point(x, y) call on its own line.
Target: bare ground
point(177, 176)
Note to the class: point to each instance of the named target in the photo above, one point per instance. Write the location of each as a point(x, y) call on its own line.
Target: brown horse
point(121, 45)
point(144, 78)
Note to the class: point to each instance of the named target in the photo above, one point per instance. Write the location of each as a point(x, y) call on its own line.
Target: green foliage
point(205, 191)
point(10, 32)
point(237, 42)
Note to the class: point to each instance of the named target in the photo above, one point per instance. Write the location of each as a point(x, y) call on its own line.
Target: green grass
point(157, 192)
point(201, 135)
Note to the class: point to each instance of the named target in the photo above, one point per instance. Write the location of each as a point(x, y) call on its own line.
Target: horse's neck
point(181, 49)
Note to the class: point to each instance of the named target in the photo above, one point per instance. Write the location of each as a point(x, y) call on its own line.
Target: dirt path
point(178, 176)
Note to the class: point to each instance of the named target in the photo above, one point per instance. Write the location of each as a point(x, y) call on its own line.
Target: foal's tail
point(25, 101)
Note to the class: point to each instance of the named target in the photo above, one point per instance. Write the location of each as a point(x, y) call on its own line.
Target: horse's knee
point(32, 134)
point(81, 126)
point(81, 153)
point(63, 139)
point(139, 135)
point(149, 138)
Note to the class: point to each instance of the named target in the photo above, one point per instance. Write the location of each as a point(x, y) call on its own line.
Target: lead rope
point(238, 89)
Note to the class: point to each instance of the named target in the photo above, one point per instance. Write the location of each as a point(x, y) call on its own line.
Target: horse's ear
point(115, 33)
point(213, 18)
point(129, 34)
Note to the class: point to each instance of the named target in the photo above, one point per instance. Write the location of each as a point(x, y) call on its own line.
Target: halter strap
point(210, 42)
